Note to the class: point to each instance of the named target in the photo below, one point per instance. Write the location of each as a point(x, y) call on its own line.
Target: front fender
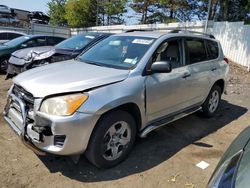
point(106, 98)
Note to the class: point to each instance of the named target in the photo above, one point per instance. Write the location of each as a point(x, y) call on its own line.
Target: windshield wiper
point(90, 62)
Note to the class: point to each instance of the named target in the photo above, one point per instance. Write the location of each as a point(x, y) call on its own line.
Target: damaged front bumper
point(68, 135)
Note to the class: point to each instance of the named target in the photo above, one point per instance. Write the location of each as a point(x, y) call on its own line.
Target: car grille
point(25, 96)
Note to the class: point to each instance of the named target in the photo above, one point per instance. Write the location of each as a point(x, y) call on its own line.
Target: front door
point(167, 93)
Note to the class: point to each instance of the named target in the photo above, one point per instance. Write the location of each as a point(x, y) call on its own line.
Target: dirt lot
point(166, 158)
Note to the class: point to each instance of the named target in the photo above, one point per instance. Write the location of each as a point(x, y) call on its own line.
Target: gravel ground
point(166, 158)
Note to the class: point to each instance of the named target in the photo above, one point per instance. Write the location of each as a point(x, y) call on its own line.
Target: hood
point(67, 76)
point(36, 50)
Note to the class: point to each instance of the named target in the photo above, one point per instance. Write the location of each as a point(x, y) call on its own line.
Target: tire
point(4, 65)
point(212, 103)
point(105, 152)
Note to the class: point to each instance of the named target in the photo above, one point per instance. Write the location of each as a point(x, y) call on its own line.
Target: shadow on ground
point(158, 147)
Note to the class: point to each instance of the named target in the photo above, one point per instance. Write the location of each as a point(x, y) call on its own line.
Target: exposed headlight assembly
point(225, 174)
point(63, 105)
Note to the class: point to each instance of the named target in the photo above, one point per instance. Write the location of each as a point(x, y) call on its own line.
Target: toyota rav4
point(127, 85)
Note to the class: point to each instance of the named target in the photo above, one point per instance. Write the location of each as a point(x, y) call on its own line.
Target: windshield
point(118, 51)
point(76, 42)
point(17, 41)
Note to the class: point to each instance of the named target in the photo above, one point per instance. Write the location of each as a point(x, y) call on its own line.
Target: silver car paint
point(155, 95)
point(68, 76)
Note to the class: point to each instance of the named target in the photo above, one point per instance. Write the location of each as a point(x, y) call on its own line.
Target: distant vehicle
point(5, 9)
point(24, 42)
point(38, 17)
point(9, 20)
point(5, 36)
point(233, 170)
point(28, 58)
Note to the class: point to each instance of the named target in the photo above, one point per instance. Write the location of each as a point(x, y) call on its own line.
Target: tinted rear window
point(195, 51)
point(3, 36)
point(213, 49)
point(13, 35)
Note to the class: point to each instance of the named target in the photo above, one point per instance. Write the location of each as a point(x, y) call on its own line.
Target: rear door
point(197, 61)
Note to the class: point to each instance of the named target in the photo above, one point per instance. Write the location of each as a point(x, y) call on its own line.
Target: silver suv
point(128, 84)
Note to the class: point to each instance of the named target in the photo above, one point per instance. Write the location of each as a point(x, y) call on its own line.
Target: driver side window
point(169, 51)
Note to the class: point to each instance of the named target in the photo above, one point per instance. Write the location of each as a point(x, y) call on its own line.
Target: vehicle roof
point(36, 35)
point(95, 33)
point(8, 31)
point(157, 34)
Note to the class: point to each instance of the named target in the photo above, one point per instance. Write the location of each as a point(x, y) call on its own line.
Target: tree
point(57, 12)
point(233, 10)
point(81, 13)
point(151, 10)
point(110, 11)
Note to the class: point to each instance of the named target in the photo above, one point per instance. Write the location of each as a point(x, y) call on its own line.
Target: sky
point(30, 5)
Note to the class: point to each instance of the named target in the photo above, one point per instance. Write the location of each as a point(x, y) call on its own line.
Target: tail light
point(226, 60)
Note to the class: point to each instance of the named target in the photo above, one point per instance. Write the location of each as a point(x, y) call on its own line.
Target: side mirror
point(161, 67)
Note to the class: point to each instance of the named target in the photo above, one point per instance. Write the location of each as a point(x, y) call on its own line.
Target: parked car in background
point(5, 9)
point(233, 170)
point(126, 85)
point(24, 42)
point(6, 36)
point(28, 58)
point(38, 17)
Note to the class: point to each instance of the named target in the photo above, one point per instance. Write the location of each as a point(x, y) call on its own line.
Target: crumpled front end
point(61, 135)
point(23, 60)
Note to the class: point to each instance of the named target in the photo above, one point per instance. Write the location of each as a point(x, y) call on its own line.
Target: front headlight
point(225, 174)
point(63, 105)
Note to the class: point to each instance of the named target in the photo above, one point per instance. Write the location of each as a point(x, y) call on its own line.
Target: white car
point(5, 36)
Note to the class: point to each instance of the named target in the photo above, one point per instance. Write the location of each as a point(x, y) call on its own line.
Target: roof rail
point(195, 32)
point(134, 30)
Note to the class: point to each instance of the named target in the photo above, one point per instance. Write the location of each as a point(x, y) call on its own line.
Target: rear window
point(13, 35)
point(3, 36)
point(213, 49)
point(9, 36)
point(195, 51)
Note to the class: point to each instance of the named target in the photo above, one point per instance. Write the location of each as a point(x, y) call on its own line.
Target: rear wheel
point(112, 139)
point(211, 105)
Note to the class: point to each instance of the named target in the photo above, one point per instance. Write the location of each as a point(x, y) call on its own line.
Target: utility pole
point(208, 14)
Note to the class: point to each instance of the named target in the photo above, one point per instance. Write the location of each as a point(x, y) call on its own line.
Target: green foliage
point(112, 10)
point(80, 13)
point(85, 13)
point(56, 12)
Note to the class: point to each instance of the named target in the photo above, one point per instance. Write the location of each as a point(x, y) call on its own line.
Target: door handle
point(213, 69)
point(186, 75)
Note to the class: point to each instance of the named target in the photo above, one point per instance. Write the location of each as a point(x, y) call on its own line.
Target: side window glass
point(168, 51)
point(213, 49)
point(195, 51)
point(30, 43)
point(40, 42)
point(3, 36)
point(13, 36)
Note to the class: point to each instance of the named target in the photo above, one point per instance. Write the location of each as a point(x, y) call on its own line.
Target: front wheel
point(211, 105)
point(4, 65)
point(112, 139)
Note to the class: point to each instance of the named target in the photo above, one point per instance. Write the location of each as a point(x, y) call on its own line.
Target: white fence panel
point(41, 29)
point(195, 26)
point(235, 40)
